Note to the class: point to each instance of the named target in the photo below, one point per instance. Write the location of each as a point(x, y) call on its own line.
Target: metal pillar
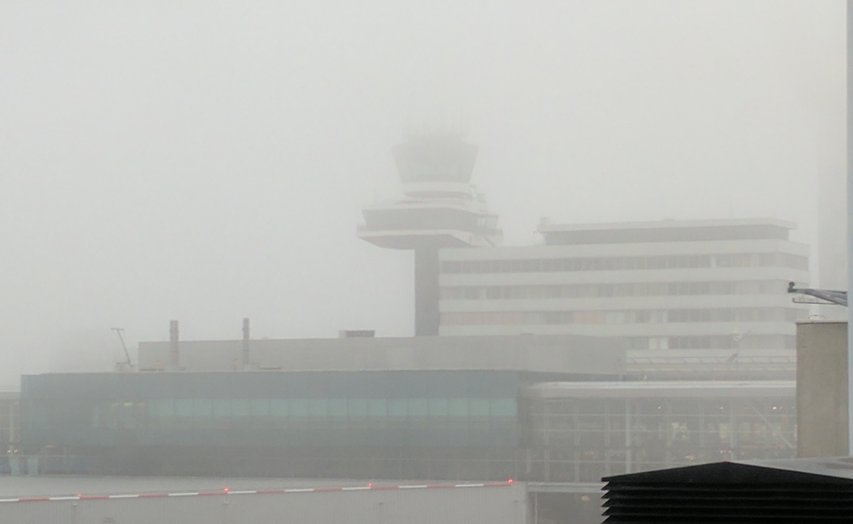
point(246, 336)
point(174, 345)
point(426, 292)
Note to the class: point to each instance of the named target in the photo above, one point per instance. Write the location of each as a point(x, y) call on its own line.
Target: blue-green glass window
point(338, 407)
point(458, 407)
point(397, 407)
point(260, 407)
point(128, 415)
point(503, 407)
point(438, 407)
point(100, 415)
point(317, 407)
point(96, 416)
point(418, 407)
point(202, 407)
point(377, 407)
point(242, 407)
point(161, 408)
point(298, 407)
point(479, 407)
point(357, 407)
point(279, 407)
point(221, 408)
point(184, 407)
point(113, 415)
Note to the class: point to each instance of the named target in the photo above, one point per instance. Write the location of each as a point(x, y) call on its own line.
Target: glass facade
point(457, 425)
point(585, 439)
point(418, 424)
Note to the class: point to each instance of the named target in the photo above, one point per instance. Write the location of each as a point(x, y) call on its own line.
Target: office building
point(691, 299)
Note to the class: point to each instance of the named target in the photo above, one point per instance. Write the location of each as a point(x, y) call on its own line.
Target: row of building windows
point(628, 289)
point(649, 431)
point(733, 341)
point(645, 316)
point(131, 414)
point(623, 263)
point(635, 434)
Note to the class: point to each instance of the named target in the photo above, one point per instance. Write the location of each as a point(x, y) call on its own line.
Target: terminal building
point(422, 408)
point(538, 408)
point(604, 350)
point(551, 412)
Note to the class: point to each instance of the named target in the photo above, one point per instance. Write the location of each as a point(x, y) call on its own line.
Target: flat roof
point(663, 389)
point(565, 354)
point(547, 227)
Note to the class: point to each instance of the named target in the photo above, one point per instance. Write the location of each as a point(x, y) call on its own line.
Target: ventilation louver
point(793, 491)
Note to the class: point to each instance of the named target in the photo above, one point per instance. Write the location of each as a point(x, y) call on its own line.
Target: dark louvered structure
point(799, 490)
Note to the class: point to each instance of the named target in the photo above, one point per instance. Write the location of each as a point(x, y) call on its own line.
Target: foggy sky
point(207, 161)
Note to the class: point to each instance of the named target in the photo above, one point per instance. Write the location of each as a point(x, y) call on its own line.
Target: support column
point(246, 338)
point(426, 292)
point(849, 221)
point(174, 345)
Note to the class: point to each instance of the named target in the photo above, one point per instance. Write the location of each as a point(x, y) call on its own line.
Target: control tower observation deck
point(440, 208)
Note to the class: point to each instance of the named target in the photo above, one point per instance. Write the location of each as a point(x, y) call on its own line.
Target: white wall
point(501, 505)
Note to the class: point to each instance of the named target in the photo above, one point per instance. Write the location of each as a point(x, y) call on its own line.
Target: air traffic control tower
point(440, 208)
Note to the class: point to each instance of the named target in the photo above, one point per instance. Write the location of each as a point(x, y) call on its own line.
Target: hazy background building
point(206, 164)
point(690, 298)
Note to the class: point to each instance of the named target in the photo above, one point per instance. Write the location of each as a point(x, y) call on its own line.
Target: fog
point(207, 161)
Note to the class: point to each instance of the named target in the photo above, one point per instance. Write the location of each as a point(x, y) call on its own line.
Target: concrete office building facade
point(703, 299)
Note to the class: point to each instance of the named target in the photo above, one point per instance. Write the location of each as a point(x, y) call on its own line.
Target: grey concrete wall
point(821, 389)
point(503, 505)
point(427, 317)
point(543, 353)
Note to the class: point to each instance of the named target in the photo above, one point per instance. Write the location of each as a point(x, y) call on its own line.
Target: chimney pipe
point(174, 345)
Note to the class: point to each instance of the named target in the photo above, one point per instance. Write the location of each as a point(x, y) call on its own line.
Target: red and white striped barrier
point(266, 491)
